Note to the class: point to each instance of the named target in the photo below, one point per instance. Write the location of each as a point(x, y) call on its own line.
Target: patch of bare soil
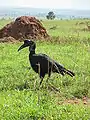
point(84, 100)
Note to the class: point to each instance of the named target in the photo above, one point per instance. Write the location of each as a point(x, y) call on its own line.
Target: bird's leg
point(40, 83)
point(35, 84)
point(26, 84)
point(49, 72)
point(39, 72)
point(41, 80)
point(48, 78)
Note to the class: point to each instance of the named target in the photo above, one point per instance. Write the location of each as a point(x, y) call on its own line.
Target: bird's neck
point(32, 51)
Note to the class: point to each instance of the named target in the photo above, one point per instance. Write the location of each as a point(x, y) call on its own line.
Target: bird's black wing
point(57, 67)
point(45, 62)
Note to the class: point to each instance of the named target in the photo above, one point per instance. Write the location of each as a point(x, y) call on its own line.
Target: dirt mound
point(8, 39)
point(24, 27)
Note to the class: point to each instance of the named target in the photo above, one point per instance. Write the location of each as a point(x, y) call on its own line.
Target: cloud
point(81, 4)
point(71, 4)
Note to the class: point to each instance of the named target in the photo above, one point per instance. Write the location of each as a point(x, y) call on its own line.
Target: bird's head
point(28, 43)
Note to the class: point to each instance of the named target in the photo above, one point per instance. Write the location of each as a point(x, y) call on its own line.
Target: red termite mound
point(24, 27)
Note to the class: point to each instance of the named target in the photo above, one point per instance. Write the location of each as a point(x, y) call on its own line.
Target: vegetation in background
point(50, 15)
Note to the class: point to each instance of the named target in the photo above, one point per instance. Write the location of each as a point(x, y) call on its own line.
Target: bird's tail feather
point(60, 69)
point(69, 72)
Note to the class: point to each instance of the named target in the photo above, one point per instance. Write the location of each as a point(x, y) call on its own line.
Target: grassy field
point(20, 98)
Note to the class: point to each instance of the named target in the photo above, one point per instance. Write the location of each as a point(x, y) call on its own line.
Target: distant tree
point(50, 15)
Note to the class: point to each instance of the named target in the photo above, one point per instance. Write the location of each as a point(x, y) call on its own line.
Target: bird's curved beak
point(21, 47)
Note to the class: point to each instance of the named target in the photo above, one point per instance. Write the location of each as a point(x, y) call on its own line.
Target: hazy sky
point(71, 4)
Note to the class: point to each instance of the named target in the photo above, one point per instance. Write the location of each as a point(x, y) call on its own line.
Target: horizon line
point(42, 8)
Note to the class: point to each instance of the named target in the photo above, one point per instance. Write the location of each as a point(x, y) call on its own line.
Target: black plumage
point(43, 64)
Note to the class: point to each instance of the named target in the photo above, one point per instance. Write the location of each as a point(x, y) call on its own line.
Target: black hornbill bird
point(43, 64)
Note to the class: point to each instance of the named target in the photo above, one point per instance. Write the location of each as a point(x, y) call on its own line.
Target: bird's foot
point(26, 85)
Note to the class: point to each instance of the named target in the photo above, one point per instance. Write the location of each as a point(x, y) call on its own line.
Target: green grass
point(25, 102)
point(3, 22)
point(67, 29)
